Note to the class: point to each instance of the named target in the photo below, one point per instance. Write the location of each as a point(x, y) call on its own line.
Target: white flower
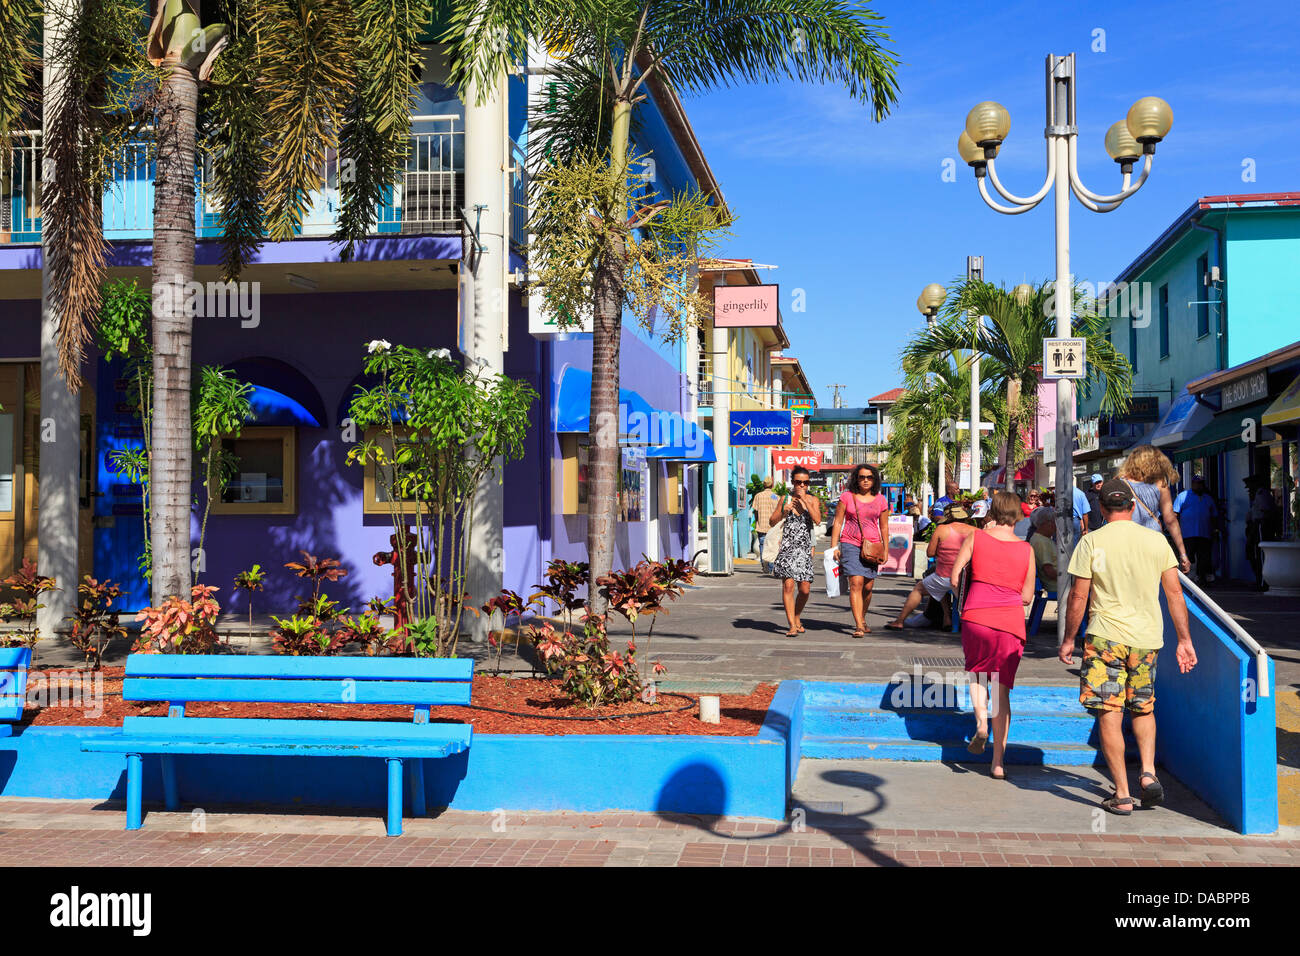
point(378, 345)
point(481, 362)
point(444, 354)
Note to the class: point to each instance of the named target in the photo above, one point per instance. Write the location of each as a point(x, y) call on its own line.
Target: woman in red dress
point(993, 619)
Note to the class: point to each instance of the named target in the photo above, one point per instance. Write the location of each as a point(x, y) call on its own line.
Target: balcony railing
point(426, 199)
point(853, 454)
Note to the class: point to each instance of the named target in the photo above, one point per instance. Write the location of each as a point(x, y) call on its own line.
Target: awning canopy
point(1185, 417)
point(1223, 434)
point(664, 434)
point(1286, 410)
point(282, 395)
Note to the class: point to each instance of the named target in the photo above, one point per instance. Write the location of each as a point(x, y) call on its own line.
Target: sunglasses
point(866, 478)
point(803, 482)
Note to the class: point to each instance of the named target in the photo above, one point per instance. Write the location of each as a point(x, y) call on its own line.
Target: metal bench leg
point(394, 796)
point(171, 792)
point(134, 791)
point(418, 807)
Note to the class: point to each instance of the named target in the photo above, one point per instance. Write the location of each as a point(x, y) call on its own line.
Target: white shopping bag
point(832, 569)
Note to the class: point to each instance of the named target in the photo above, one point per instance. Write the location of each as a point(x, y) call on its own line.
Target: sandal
point(996, 775)
point(791, 633)
point(800, 628)
point(1153, 794)
point(859, 632)
point(1122, 806)
point(891, 626)
point(977, 743)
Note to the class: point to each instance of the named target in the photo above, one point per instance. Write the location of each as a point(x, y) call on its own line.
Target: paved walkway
point(81, 833)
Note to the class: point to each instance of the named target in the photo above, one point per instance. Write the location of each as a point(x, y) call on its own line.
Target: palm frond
point(306, 52)
point(20, 34)
point(375, 137)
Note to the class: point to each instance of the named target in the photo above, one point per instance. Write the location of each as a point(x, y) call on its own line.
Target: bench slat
point(300, 668)
point(183, 727)
point(295, 691)
point(271, 747)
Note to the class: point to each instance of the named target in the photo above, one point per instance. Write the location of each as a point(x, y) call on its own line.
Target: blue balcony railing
point(426, 198)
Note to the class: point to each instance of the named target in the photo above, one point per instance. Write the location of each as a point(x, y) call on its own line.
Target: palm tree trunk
point(606, 339)
point(170, 466)
point(1013, 434)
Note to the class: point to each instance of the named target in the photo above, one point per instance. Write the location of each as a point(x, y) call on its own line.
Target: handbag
point(772, 543)
point(865, 543)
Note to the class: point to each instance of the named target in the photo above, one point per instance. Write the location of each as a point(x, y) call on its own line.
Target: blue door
point(119, 508)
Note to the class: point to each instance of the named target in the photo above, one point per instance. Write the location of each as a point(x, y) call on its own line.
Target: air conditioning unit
point(720, 544)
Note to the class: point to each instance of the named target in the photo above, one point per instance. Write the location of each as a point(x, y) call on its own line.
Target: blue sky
point(857, 214)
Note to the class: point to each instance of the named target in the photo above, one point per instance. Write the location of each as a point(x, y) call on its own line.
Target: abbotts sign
point(746, 306)
point(760, 428)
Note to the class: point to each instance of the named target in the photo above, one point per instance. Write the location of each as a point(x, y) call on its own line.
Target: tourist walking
point(1149, 475)
point(1121, 569)
point(993, 620)
point(945, 544)
point(1197, 517)
point(800, 510)
point(764, 504)
point(858, 539)
point(1261, 524)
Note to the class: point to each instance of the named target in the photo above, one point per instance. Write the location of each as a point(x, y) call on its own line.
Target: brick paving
point(82, 833)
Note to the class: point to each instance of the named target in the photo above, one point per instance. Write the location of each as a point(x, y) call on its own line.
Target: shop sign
point(1243, 391)
point(761, 428)
point(746, 306)
point(791, 459)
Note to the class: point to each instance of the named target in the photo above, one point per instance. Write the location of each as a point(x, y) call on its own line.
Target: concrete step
point(943, 725)
point(954, 751)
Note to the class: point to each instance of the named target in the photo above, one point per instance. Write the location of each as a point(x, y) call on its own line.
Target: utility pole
point(975, 272)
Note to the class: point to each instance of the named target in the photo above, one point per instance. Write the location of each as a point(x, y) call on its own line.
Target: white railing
point(425, 199)
point(518, 195)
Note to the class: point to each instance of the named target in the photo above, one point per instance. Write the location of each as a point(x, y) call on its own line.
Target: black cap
point(1117, 494)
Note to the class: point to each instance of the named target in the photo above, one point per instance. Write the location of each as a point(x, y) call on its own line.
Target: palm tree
point(1011, 348)
point(935, 396)
point(612, 50)
point(264, 97)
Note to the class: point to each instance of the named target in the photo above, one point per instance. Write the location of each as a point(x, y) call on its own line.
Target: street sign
point(1064, 358)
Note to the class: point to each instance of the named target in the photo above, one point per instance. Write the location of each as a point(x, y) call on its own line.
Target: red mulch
point(742, 714)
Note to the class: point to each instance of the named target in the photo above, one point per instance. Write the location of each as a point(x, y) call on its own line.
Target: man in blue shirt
point(1196, 516)
point(1082, 508)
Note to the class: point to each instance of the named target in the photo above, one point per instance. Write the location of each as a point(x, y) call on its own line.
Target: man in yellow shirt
point(764, 504)
point(1122, 567)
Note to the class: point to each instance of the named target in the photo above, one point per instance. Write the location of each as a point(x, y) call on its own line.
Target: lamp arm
point(1037, 197)
point(1086, 194)
point(1007, 210)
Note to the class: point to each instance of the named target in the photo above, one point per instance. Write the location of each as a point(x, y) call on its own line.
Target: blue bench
point(1041, 596)
point(180, 679)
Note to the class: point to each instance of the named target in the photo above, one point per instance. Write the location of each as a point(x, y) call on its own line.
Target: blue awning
point(275, 408)
point(1186, 416)
point(664, 434)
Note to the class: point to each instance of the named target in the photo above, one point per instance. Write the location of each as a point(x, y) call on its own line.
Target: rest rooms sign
point(760, 428)
point(1063, 358)
point(745, 306)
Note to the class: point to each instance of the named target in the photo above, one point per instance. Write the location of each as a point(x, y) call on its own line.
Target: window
point(1202, 297)
point(1133, 344)
point(1164, 321)
point(265, 481)
point(573, 475)
point(377, 480)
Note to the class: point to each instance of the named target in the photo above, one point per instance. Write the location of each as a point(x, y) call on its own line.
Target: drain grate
point(939, 662)
point(707, 686)
point(670, 657)
point(826, 655)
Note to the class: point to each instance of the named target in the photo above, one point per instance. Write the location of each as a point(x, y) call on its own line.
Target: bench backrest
point(13, 682)
point(180, 678)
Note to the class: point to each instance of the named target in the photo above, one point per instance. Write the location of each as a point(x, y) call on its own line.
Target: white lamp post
point(928, 303)
point(1148, 122)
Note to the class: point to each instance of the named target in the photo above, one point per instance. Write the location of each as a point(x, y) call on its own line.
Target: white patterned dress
point(794, 559)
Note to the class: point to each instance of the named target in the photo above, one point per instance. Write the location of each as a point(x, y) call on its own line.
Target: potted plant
point(16, 647)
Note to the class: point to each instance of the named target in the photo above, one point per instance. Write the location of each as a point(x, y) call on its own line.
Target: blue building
point(304, 351)
point(1213, 347)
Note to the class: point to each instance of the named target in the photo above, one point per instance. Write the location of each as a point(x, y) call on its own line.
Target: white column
point(721, 423)
point(974, 420)
point(688, 472)
point(59, 429)
point(485, 312)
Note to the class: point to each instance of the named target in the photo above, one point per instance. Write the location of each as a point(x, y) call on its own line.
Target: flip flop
point(891, 626)
point(800, 628)
point(998, 776)
point(1154, 794)
point(859, 632)
point(791, 633)
point(977, 743)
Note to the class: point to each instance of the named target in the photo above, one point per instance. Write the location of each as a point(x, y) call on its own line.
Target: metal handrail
point(1233, 628)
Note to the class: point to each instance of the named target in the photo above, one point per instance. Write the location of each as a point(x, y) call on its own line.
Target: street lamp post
point(1133, 138)
point(927, 303)
point(974, 271)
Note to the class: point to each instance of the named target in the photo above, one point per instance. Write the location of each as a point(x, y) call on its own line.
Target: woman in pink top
point(945, 545)
point(993, 618)
point(858, 539)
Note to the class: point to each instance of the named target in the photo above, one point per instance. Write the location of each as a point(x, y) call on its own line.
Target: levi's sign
point(792, 459)
point(746, 306)
point(760, 428)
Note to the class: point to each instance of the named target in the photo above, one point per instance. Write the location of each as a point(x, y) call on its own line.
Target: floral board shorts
point(1117, 677)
